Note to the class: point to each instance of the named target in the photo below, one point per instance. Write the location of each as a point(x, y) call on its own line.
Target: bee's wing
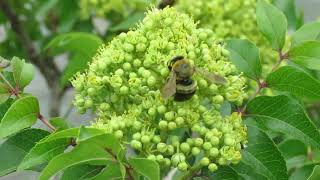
point(169, 88)
point(211, 77)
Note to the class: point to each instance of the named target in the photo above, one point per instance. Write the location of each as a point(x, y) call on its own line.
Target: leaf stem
point(128, 167)
point(16, 92)
point(282, 57)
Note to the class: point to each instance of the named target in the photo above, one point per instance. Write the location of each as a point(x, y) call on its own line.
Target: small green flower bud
point(136, 144)
point(124, 90)
point(136, 136)
point(179, 121)
point(137, 63)
point(169, 116)
point(214, 141)
point(104, 106)
point(152, 157)
point(128, 47)
point(212, 167)
point(160, 158)
point(88, 103)
point(163, 125)
point(214, 152)
point(119, 72)
point(161, 109)
point(222, 161)
point(229, 141)
point(190, 141)
point(183, 166)
point(213, 88)
point(118, 134)
point(195, 151)
point(198, 142)
point(172, 125)
point(137, 125)
point(151, 81)
point(162, 147)
point(170, 46)
point(126, 66)
point(170, 149)
point(167, 162)
point(204, 161)
point(185, 147)
point(177, 158)
point(156, 139)
point(196, 128)
point(145, 139)
point(206, 146)
point(152, 111)
point(141, 47)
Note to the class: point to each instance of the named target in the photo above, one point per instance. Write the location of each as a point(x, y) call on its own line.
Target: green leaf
point(247, 171)
point(295, 81)
point(308, 32)
point(80, 172)
point(44, 7)
point(146, 167)
point(5, 93)
point(14, 149)
point(43, 152)
point(87, 133)
point(272, 24)
point(225, 173)
point(245, 55)
point(59, 123)
point(112, 171)
point(67, 15)
point(292, 147)
point(4, 108)
point(288, 7)
point(93, 150)
point(302, 173)
point(23, 113)
point(82, 47)
point(306, 54)
point(128, 23)
point(68, 133)
point(23, 72)
point(76, 42)
point(315, 175)
point(77, 63)
point(285, 115)
point(263, 155)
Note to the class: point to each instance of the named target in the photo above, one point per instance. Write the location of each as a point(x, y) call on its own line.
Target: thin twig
point(47, 67)
point(16, 92)
point(128, 167)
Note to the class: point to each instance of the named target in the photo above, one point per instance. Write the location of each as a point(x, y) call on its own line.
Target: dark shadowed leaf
point(295, 81)
point(112, 171)
point(285, 115)
point(129, 22)
point(245, 55)
point(292, 147)
point(4, 108)
point(14, 149)
point(315, 175)
point(272, 23)
point(23, 113)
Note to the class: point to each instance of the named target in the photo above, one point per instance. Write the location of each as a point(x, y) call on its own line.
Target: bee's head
point(174, 60)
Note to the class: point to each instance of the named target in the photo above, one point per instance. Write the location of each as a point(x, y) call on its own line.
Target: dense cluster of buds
point(104, 7)
point(230, 19)
point(123, 82)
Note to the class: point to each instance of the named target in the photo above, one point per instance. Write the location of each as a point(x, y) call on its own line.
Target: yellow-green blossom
point(123, 82)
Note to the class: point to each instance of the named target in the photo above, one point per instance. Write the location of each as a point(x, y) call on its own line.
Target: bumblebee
point(180, 83)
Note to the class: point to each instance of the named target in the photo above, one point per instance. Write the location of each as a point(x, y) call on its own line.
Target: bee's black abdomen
point(183, 97)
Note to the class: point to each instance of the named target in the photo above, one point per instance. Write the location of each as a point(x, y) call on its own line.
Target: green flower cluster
point(230, 19)
point(103, 7)
point(123, 82)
